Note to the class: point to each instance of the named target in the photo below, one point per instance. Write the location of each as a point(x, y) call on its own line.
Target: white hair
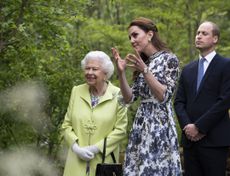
point(106, 63)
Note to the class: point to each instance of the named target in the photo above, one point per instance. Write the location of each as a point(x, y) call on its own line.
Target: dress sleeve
point(135, 89)
point(171, 73)
point(135, 94)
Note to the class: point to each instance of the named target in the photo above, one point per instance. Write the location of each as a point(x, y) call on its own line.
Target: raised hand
point(120, 63)
point(134, 61)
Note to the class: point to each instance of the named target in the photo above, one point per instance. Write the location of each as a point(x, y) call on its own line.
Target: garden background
point(41, 45)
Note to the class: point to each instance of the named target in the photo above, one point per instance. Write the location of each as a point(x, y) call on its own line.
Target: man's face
point(205, 40)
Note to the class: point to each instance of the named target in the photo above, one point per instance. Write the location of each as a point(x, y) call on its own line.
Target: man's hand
point(197, 137)
point(192, 132)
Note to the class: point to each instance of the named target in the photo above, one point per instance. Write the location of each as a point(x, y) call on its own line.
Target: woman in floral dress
point(153, 144)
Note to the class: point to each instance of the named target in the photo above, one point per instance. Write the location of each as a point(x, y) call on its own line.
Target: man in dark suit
point(201, 105)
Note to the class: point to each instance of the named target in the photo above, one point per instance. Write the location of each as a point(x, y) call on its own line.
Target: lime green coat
point(89, 126)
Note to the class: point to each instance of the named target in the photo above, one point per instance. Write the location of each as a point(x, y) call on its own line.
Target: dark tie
point(200, 72)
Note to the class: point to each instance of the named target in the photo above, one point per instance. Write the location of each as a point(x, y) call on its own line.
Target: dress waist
point(149, 100)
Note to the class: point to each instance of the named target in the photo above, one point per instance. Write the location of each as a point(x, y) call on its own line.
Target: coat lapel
point(109, 94)
point(209, 70)
point(193, 77)
point(85, 94)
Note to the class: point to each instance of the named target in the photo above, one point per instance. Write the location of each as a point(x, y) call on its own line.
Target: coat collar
point(109, 94)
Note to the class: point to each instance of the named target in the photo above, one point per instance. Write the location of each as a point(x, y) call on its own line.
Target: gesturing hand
point(135, 61)
point(120, 63)
point(82, 152)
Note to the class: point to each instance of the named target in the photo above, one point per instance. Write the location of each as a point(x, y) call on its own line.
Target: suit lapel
point(209, 70)
point(193, 77)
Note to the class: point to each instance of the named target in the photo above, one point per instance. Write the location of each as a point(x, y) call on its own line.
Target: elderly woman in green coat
point(95, 111)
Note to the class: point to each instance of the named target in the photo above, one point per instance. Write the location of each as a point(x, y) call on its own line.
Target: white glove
point(82, 152)
point(93, 149)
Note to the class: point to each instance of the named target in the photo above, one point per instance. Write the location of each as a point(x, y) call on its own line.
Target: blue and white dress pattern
point(153, 148)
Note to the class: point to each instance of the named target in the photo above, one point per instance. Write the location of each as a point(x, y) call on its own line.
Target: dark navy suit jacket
point(208, 107)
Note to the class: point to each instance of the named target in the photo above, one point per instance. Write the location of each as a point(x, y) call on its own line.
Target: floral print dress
point(153, 148)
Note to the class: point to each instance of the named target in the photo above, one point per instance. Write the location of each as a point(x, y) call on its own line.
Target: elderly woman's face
point(94, 73)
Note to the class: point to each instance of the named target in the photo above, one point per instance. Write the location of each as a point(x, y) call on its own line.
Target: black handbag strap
point(104, 152)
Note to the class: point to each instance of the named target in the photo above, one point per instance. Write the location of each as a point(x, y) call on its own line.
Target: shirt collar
point(209, 57)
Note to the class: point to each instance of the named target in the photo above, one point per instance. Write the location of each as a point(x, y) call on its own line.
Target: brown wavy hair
point(148, 25)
